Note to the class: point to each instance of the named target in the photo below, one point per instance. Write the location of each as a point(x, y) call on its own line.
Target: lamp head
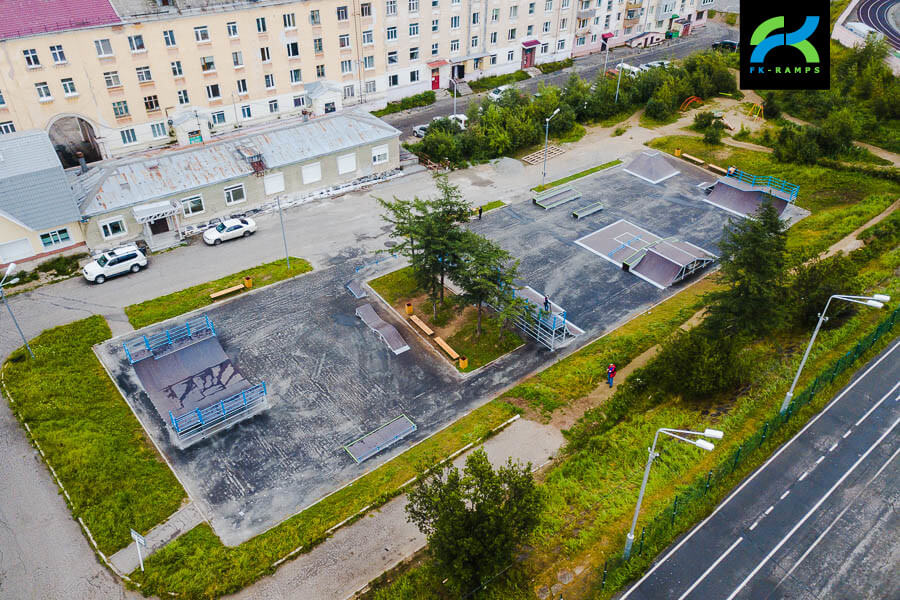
point(875, 303)
point(9, 269)
point(554, 112)
point(13, 281)
point(704, 445)
point(881, 297)
point(713, 433)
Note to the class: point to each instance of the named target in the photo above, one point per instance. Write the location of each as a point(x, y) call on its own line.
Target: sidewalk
point(185, 519)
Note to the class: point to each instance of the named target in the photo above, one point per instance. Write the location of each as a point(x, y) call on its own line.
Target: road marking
point(820, 459)
point(768, 510)
point(759, 470)
point(802, 477)
point(877, 404)
point(711, 567)
point(849, 431)
point(811, 511)
point(832, 447)
point(752, 527)
point(785, 494)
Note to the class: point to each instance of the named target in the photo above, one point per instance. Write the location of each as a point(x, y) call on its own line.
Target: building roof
point(34, 189)
point(19, 18)
point(153, 176)
point(152, 9)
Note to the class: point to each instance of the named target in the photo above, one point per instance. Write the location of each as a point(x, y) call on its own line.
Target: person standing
point(547, 304)
point(480, 208)
point(610, 373)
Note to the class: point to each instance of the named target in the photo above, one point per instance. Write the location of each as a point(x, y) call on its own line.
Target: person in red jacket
point(610, 373)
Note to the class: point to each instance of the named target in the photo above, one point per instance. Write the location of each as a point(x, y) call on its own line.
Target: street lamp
point(4, 283)
point(700, 443)
point(875, 301)
point(453, 81)
point(546, 141)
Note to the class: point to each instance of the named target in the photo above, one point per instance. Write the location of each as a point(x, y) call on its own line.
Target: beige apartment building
point(108, 77)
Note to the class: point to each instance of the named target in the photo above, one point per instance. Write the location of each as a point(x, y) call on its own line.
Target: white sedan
point(229, 229)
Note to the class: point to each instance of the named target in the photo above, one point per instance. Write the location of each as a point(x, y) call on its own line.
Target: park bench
point(693, 159)
point(421, 325)
point(356, 289)
point(446, 347)
point(556, 196)
point(226, 291)
point(716, 169)
point(587, 210)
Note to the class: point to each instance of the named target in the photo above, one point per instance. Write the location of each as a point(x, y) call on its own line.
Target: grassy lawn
point(423, 99)
point(197, 565)
point(492, 205)
point(579, 175)
point(396, 285)
point(177, 303)
point(488, 83)
point(493, 343)
point(649, 122)
point(91, 438)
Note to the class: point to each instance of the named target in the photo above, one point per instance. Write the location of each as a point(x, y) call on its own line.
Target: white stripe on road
point(802, 477)
point(821, 458)
point(833, 446)
point(711, 567)
point(849, 431)
point(752, 527)
point(811, 511)
point(877, 404)
point(785, 494)
point(768, 510)
point(759, 470)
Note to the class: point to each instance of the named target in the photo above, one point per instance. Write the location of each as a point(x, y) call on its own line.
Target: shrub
point(713, 133)
point(771, 108)
point(697, 364)
point(818, 279)
point(423, 99)
point(730, 18)
point(704, 119)
point(552, 67)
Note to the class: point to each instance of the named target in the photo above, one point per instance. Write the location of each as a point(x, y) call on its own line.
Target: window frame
point(58, 54)
point(129, 136)
point(101, 46)
point(201, 34)
point(103, 226)
point(192, 212)
point(228, 192)
point(58, 234)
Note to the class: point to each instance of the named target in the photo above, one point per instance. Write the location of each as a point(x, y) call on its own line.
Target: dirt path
point(850, 242)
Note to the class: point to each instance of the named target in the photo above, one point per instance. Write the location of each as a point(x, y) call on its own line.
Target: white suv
point(122, 260)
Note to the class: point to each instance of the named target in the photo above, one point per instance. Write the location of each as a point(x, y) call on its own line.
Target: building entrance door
point(528, 58)
point(435, 79)
point(159, 226)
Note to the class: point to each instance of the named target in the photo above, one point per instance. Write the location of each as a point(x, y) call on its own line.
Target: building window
point(563, 23)
point(317, 45)
point(413, 54)
point(564, 5)
point(513, 11)
point(529, 31)
point(201, 33)
point(346, 67)
point(52, 238)
point(367, 37)
point(136, 43)
point(493, 59)
point(393, 80)
point(103, 47)
point(320, 71)
point(235, 193)
point(346, 163)
point(264, 54)
point(207, 64)
point(290, 22)
point(31, 58)
point(192, 206)
point(128, 136)
point(232, 29)
point(273, 106)
point(296, 76)
point(579, 41)
point(293, 49)
point(435, 25)
point(213, 92)
point(435, 4)
point(561, 45)
point(348, 92)
point(379, 155)
point(314, 18)
point(241, 86)
point(454, 45)
point(237, 58)
point(493, 37)
point(545, 28)
point(495, 15)
point(43, 92)
point(151, 103)
point(548, 5)
point(434, 49)
point(368, 62)
point(511, 35)
point(183, 97)
point(413, 6)
point(68, 87)
point(414, 76)
point(545, 48)
point(475, 18)
point(59, 57)
point(454, 22)
point(2, 99)
point(511, 55)
point(176, 68)
point(531, 8)
point(143, 74)
point(245, 111)
point(158, 130)
point(341, 13)
point(270, 81)
point(370, 88)
point(344, 41)
point(299, 101)
point(365, 9)
point(218, 117)
point(260, 24)
point(474, 41)
point(390, 7)
point(392, 57)
point(413, 30)
point(7, 127)
point(312, 173)
point(114, 227)
point(391, 33)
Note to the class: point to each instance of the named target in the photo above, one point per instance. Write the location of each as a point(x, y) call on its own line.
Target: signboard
point(138, 538)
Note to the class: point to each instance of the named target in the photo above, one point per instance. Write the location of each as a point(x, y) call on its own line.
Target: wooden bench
point(446, 347)
point(693, 159)
point(226, 291)
point(716, 169)
point(421, 325)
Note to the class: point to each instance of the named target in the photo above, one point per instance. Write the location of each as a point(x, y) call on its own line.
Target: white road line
point(711, 567)
point(802, 477)
point(877, 404)
point(785, 494)
point(811, 511)
point(849, 431)
point(752, 527)
point(820, 459)
point(832, 447)
point(768, 510)
point(758, 471)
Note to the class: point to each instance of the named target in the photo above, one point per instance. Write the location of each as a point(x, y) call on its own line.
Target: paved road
point(877, 14)
point(816, 521)
point(587, 67)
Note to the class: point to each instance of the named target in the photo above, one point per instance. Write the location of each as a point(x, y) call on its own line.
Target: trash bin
point(463, 362)
point(409, 309)
point(677, 151)
point(248, 282)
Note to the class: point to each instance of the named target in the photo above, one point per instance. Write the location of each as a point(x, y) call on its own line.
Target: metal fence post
point(244, 396)
point(222, 406)
point(641, 545)
point(603, 580)
point(764, 431)
point(199, 416)
point(674, 509)
point(708, 477)
point(737, 456)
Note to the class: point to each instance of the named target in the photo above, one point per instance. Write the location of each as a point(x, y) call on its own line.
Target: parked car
point(728, 45)
point(420, 130)
point(497, 93)
point(654, 64)
point(459, 118)
point(229, 229)
point(124, 259)
point(627, 69)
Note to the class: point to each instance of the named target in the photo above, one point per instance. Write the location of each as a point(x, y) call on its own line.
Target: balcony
point(589, 13)
point(632, 4)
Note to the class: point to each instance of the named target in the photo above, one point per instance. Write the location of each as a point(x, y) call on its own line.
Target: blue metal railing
point(791, 189)
point(197, 421)
point(146, 346)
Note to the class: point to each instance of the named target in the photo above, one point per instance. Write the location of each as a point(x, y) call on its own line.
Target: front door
point(159, 226)
point(435, 79)
point(527, 58)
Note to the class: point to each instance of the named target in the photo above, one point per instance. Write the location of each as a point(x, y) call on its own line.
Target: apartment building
point(109, 77)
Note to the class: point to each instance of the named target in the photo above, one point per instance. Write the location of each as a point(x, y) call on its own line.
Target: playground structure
point(689, 101)
point(556, 196)
point(191, 382)
point(387, 332)
point(380, 439)
point(661, 262)
point(551, 328)
point(756, 111)
point(651, 166)
point(742, 193)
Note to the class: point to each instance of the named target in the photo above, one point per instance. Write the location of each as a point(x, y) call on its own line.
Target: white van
point(459, 118)
point(628, 69)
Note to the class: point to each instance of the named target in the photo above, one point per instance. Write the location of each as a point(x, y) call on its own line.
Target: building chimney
point(81, 162)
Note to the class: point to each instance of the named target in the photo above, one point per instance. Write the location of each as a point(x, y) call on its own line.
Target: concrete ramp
point(651, 166)
point(657, 269)
point(741, 202)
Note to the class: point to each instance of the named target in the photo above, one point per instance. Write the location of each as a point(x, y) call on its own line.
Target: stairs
point(462, 88)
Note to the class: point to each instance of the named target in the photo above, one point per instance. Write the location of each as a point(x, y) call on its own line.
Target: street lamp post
point(287, 255)
point(876, 301)
point(4, 283)
point(677, 434)
point(618, 81)
point(546, 142)
point(453, 81)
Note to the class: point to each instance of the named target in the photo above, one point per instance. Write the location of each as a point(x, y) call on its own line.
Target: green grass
point(396, 285)
point(573, 135)
point(492, 205)
point(578, 175)
point(649, 122)
point(494, 342)
point(618, 117)
point(423, 99)
point(91, 438)
point(197, 565)
point(488, 83)
point(619, 131)
point(171, 305)
point(552, 67)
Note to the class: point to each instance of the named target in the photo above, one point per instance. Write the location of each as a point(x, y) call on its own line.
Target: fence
point(690, 502)
point(202, 421)
point(774, 183)
point(163, 341)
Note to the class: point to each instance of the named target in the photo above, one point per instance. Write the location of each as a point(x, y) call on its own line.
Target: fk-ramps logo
point(785, 46)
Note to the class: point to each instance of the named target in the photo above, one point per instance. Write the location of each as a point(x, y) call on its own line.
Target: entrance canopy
point(530, 43)
point(154, 211)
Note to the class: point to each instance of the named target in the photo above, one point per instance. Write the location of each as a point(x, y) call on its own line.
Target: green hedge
point(489, 83)
point(423, 99)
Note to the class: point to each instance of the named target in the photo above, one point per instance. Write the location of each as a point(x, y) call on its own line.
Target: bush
point(489, 83)
point(730, 18)
point(552, 67)
point(771, 108)
point(703, 120)
point(713, 133)
point(697, 364)
point(818, 279)
point(62, 265)
point(423, 99)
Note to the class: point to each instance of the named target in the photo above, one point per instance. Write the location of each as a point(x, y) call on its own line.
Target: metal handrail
point(194, 422)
